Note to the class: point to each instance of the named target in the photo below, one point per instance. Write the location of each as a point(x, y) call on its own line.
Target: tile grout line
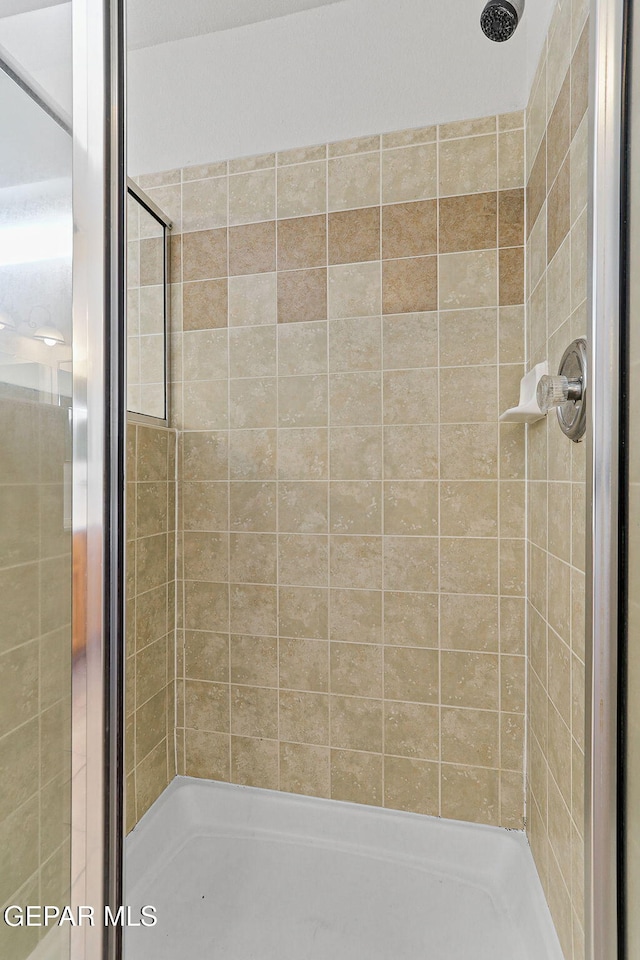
point(383, 686)
point(499, 492)
point(329, 476)
point(228, 484)
point(277, 474)
point(439, 476)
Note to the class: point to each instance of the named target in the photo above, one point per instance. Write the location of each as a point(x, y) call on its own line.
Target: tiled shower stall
point(348, 579)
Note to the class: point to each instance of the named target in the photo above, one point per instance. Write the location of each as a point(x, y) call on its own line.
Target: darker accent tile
point(302, 295)
point(537, 185)
point(468, 222)
point(252, 248)
point(204, 255)
point(410, 229)
point(580, 80)
point(511, 218)
point(204, 304)
point(354, 235)
point(409, 286)
point(559, 211)
point(302, 243)
point(511, 276)
point(151, 261)
point(558, 131)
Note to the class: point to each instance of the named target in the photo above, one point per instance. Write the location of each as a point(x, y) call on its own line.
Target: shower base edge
point(240, 872)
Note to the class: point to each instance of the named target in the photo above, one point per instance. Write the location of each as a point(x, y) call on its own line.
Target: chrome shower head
point(500, 18)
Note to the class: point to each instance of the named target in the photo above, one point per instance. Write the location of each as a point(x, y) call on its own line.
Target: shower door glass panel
point(36, 234)
point(147, 305)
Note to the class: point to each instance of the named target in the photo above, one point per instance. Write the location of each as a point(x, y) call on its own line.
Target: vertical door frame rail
point(607, 69)
point(99, 192)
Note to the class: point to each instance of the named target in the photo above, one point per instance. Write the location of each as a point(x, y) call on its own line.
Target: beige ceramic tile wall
point(348, 326)
point(557, 286)
point(150, 668)
point(35, 665)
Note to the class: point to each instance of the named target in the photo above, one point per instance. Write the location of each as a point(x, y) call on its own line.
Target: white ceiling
point(211, 79)
point(150, 22)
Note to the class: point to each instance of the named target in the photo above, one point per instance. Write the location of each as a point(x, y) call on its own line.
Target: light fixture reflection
point(49, 335)
point(6, 323)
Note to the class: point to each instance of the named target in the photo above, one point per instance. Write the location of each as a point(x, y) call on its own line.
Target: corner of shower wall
point(150, 615)
point(556, 285)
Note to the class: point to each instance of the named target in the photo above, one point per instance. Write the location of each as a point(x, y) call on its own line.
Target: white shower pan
point(238, 873)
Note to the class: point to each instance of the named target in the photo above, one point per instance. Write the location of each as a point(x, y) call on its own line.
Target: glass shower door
point(36, 233)
point(62, 194)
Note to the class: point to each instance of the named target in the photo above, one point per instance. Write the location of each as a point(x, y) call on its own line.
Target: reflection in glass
point(146, 312)
point(36, 235)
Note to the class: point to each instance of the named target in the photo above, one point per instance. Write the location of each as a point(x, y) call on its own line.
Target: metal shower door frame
point(605, 494)
point(99, 408)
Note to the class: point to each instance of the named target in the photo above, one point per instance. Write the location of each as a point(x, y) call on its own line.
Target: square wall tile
point(355, 507)
point(204, 204)
point(356, 777)
point(305, 769)
point(252, 352)
point(409, 285)
point(410, 619)
point(304, 665)
point(252, 196)
point(411, 785)
point(303, 612)
point(302, 349)
point(410, 340)
point(468, 279)
point(469, 336)
point(355, 344)
point(302, 189)
point(354, 290)
point(302, 243)
point(411, 675)
point(354, 235)
point(469, 165)
point(354, 181)
point(302, 401)
point(302, 296)
point(355, 398)
point(205, 304)
point(468, 222)
point(252, 248)
point(253, 300)
point(356, 615)
point(302, 507)
point(356, 724)
point(204, 255)
point(356, 452)
point(409, 173)
point(409, 229)
point(411, 563)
